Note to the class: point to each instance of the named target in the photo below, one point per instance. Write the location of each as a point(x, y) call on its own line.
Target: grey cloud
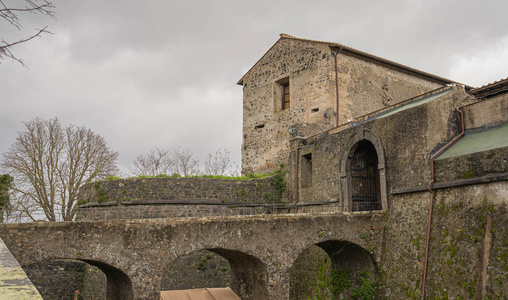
point(152, 73)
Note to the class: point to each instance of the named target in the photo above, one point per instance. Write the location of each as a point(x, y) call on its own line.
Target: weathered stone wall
point(306, 271)
point(463, 262)
point(478, 164)
point(67, 279)
point(57, 279)
point(365, 87)
point(407, 139)
point(309, 66)
point(129, 210)
point(470, 243)
point(487, 113)
point(180, 189)
point(467, 256)
point(94, 284)
point(196, 270)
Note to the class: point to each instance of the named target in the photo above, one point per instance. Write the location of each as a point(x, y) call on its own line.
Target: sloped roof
point(423, 100)
point(478, 141)
point(366, 56)
point(200, 294)
point(491, 89)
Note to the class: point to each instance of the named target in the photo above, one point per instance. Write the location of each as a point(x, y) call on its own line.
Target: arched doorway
point(365, 187)
point(362, 173)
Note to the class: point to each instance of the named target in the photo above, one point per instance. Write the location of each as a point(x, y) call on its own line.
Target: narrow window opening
point(259, 126)
point(282, 94)
point(285, 99)
point(365, 185)
point(307, 170)
point(314, 110)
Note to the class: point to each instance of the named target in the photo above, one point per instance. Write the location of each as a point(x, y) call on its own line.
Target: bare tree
point(49, 164)
point(154, 163)
point(218, 164)
point(12, 16)
point(185, 162)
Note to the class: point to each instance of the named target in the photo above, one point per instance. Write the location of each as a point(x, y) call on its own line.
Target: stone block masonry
point(177, 197)
point(180, 189)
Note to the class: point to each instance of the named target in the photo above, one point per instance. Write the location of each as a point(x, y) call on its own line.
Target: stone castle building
point(366, 138)
point(399, 178)
point(302, 87)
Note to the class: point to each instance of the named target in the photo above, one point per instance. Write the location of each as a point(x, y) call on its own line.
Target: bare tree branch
point(12, 16)
point(185, 162)
point(218, 164)
point(156, 162)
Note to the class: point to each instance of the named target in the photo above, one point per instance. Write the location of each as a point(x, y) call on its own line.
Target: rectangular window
point(285, 96)
point(306, 170)
point(282, 94)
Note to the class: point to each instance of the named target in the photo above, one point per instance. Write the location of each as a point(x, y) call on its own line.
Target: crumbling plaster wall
point(363, 86)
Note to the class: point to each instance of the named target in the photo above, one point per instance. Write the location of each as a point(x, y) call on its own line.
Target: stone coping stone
point(14, 283)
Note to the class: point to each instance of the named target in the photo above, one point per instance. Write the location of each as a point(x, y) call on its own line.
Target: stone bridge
point(260, 249)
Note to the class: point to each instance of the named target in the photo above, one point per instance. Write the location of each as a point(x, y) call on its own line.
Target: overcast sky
point(162, 73)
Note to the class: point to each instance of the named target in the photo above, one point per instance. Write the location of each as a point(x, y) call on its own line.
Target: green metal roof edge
point(474, 141)
point(410, 105)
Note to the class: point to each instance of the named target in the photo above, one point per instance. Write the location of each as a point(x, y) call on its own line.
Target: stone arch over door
point(361, 134)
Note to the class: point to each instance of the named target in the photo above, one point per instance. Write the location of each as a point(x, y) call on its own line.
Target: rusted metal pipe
point(337, 89)
point(429, 221)
point(296, 177)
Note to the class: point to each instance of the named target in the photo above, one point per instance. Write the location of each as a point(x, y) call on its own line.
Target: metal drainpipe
point(429, 221)
point(296, 177)
point(337, 88)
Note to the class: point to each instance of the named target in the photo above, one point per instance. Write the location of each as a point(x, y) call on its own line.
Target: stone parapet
point(178, 190)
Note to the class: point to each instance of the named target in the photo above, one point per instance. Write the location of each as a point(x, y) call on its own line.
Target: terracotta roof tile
point(491, 89)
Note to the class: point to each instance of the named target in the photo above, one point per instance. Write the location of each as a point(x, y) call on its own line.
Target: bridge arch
point(198, 269)
point(118, 284)
point(248, 275)
point(362, 172)
point(331, 268)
